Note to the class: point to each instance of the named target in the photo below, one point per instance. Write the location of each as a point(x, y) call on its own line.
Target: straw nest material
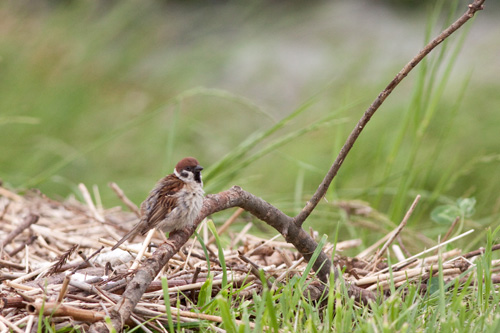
point(55, 258)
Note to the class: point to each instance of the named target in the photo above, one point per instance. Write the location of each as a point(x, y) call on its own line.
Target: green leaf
point(205, 292)
point(467, 206)
point(445, 214)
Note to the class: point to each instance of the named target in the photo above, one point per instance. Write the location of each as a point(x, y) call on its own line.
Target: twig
point(22, 246)
point(123, 247)
point(62, 260)
point(64, 289)
point(10, 195)
point(398, 252)
point(27, 222)
point(397, 265)
point(371, 248)
point(194, 315)
point(240, 235)
point(5, 263)
point(121, 195)
point(252, 251)
point(86, 260)
point(395, 233)
point(4, 210)
point(480, 251)
point(195, 277)
point(254, 268)
point(323, 187)
point(8, 323)
point(450, 230)
point(402, 246)
point(226, 224)
point(63, 310)
point(289, 227)
point(143, 249)
point(90, 203)
point(286, 272)
point(98, 216)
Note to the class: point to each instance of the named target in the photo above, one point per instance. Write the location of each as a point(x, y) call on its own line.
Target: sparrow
point(174, 203)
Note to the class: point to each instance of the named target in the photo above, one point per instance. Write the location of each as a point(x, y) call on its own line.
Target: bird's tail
point(129, 235)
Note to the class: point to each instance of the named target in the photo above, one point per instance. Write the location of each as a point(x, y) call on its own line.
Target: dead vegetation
point(55, 259)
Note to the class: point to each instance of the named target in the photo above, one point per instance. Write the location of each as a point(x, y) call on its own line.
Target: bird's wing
point(161, 201)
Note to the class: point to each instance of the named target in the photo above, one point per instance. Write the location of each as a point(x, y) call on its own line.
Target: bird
point(174, 203)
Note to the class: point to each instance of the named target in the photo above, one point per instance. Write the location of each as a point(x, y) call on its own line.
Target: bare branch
point(325, 184)
point(234, 197)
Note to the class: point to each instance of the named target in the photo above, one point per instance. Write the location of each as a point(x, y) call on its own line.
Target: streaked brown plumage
point(174, 203)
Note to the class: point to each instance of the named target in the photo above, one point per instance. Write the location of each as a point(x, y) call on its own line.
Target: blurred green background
point(96, 92)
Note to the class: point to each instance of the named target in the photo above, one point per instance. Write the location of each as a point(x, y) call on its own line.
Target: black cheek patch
point(184, 174)
point(197, 177)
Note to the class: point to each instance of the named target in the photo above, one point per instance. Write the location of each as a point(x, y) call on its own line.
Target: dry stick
point(62, 310)
point(98, 216)
point(398, 253)
point(373, 247)
point(240, 235)
point(90, 203)
point(121, 195)
point(22, 246)
point(27, 222)
point(395, 233)
point(64, 289)
point(8, 323)
point(401, 264)
point(193, 280)
point(254, 268)
point(123, 247)
point(143, 249)
point(226, 224)
point(323, 187)
point(5, 263)
point(406, 252)
point(249, 253)
point(10, 195)
point(480, 251)
point(189, 314)
point(4, 210)
point(450, 230)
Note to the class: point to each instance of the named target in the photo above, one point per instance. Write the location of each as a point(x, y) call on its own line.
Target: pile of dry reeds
point(55, 259)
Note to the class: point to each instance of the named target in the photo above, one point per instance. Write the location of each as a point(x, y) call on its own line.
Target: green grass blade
point(166, 298)
point(204, 248)
point(213, 230)
point(227, 318)
point(311, 262)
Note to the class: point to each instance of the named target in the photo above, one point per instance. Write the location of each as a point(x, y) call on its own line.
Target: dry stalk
point(121, 195)
point(63, 310)
point(394, 233)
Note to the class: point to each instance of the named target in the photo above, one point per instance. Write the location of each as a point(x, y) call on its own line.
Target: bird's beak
point(198, 168)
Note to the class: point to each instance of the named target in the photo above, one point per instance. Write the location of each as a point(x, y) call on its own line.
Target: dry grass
point(55, 259)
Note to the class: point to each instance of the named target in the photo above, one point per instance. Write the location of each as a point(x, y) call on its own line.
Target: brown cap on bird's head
point(188, 163)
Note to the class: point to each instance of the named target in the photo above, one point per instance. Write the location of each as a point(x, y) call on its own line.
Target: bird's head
point(188, 169)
